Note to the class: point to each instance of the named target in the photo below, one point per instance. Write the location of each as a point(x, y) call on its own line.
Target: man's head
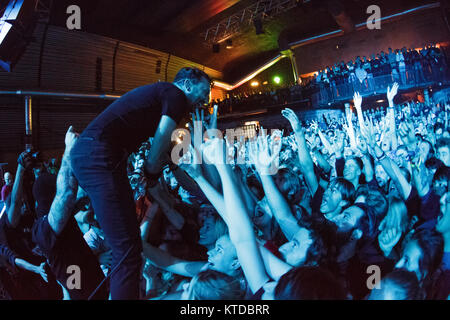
point(349, 220)
point(443, 221)
point(338, 195)
point(223, 257)
point(8, 178)
point(196, 85)
point(422, 253)
point(397, 285)
point(381, 176)
point(443, 151)
point(309, 283)
point(295, 251)
point(353, 169)
point(213, 227)
point(44, 190)
point(440, 180)
point(213, 285)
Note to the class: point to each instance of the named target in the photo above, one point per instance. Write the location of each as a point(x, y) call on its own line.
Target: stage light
point(9, 16)
point(229, 44)
point(254, 83)
point(380, 101)
point(277, 79)
point(16, 28)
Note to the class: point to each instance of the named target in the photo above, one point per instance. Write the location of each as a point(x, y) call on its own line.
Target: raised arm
point(357, 99)
point(389, 166)
point(191, 164)
point(263, 160)
point(66, 189)
point(306, 162)
point(391, 93)
point(239, 224)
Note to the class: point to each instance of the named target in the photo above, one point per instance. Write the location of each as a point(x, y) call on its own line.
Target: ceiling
point(176, 26)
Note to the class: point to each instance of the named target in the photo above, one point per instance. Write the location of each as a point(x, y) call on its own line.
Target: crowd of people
point(309, 214)
point(408, 67)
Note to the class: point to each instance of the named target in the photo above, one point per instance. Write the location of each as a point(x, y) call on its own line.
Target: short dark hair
point(194, 74)
point(432, 245)
point(442, 173)
point(346, 188)
point(317, 251)
point(309, 283)
point(442, 142)
point(433, 163)
point(405, 280)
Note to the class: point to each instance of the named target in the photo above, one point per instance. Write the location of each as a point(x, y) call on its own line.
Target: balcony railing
point(331, 93)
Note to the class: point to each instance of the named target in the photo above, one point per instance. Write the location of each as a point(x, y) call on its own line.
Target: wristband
point(382, 156)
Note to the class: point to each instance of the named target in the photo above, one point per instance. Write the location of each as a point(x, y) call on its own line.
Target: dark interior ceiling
point(175, 26)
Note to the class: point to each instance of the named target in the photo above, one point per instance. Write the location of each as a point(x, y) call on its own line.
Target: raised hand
point(314, 126)
point(214, 151)
point(392, 92)
point(26, 160)
point(368, 133)
point(407, 132)
point(357, 100)
point(213, 119)
point(388, 238)
point(190, 162)
point(290, 115)
point(42, 272)
point(196, 128)
point(338, 146)
point(71, 138)
point(264, 155)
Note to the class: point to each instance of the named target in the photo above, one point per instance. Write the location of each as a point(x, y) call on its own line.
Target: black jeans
point(100, 170)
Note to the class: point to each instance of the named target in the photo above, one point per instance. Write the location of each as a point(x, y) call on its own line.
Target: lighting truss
point(261, 9)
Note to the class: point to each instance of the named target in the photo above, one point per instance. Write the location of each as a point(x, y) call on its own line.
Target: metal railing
point(333, 92)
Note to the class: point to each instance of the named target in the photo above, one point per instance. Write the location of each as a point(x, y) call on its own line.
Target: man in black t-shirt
point(99, 160)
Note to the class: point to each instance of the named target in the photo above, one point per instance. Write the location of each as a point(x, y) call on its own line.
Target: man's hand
point(190, 162)
point(41, 271)
point(392, 92)
point(357, 100)
point(71, 138)
point(388, 238)
point(264, 154)
point(26, 160)
point(290, 115)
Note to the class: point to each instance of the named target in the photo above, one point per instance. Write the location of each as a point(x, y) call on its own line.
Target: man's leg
point(103, 176)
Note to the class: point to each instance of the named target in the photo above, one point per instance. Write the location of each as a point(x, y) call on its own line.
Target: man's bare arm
point(66, 189)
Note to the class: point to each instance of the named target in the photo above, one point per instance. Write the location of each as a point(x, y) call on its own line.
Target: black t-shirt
point(413, 203)
point(68, 249)
point(134, 117)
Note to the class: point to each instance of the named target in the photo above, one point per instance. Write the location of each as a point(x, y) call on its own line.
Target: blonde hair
point(215, 285)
